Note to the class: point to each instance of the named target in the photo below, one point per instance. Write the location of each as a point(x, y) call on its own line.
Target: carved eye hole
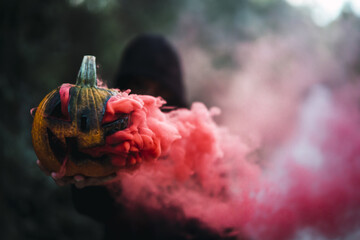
point(84, 123)
point(53, 108)
point(119, 124)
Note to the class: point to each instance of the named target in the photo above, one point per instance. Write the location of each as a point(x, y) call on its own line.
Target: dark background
point(42, 43)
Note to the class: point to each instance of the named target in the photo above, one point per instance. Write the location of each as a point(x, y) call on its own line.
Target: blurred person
point(150, 66)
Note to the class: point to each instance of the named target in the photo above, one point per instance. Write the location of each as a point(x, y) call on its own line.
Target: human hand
point(79, 181)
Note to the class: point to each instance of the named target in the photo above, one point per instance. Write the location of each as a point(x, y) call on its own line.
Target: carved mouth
point(72, 150)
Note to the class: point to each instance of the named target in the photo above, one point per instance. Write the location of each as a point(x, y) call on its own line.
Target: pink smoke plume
point(287, 164)
point(308, 183)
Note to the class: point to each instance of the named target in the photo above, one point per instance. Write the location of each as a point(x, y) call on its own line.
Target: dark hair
point(152, 58)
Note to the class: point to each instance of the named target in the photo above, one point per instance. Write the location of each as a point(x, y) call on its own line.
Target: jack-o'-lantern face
point(68, 124)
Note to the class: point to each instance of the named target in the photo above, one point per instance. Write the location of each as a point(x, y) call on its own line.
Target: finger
point(88, 182)
point(85, 183)
point(79, 181)
point(42, 168)
point(94, 181)
point(64, 181)
point(55, 175)
point(108, 178)
point(79, 178)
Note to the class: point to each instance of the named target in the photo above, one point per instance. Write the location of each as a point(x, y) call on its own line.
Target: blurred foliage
point(41, 46)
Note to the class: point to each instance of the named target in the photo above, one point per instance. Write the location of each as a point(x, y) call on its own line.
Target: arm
point(90, 196)
point(94, 201)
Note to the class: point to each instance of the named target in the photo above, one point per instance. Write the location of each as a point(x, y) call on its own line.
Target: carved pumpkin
point(68, 124)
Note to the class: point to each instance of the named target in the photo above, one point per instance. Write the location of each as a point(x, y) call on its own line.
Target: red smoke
point(310, 183)
point(305, 185)
point(316, 187)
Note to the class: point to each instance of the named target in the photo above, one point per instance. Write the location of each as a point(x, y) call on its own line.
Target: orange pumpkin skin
point(63, 132)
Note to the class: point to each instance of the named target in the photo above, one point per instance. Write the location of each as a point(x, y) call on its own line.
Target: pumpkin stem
point(87, 73)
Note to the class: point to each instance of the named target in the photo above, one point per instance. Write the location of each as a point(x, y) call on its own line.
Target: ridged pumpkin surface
point(57, 134)
point(68, 122)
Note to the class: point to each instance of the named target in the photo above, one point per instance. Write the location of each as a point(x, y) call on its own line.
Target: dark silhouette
point(149, 66)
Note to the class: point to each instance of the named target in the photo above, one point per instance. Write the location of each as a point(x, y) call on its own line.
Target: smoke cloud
point(282, 159)
point(309, 182)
